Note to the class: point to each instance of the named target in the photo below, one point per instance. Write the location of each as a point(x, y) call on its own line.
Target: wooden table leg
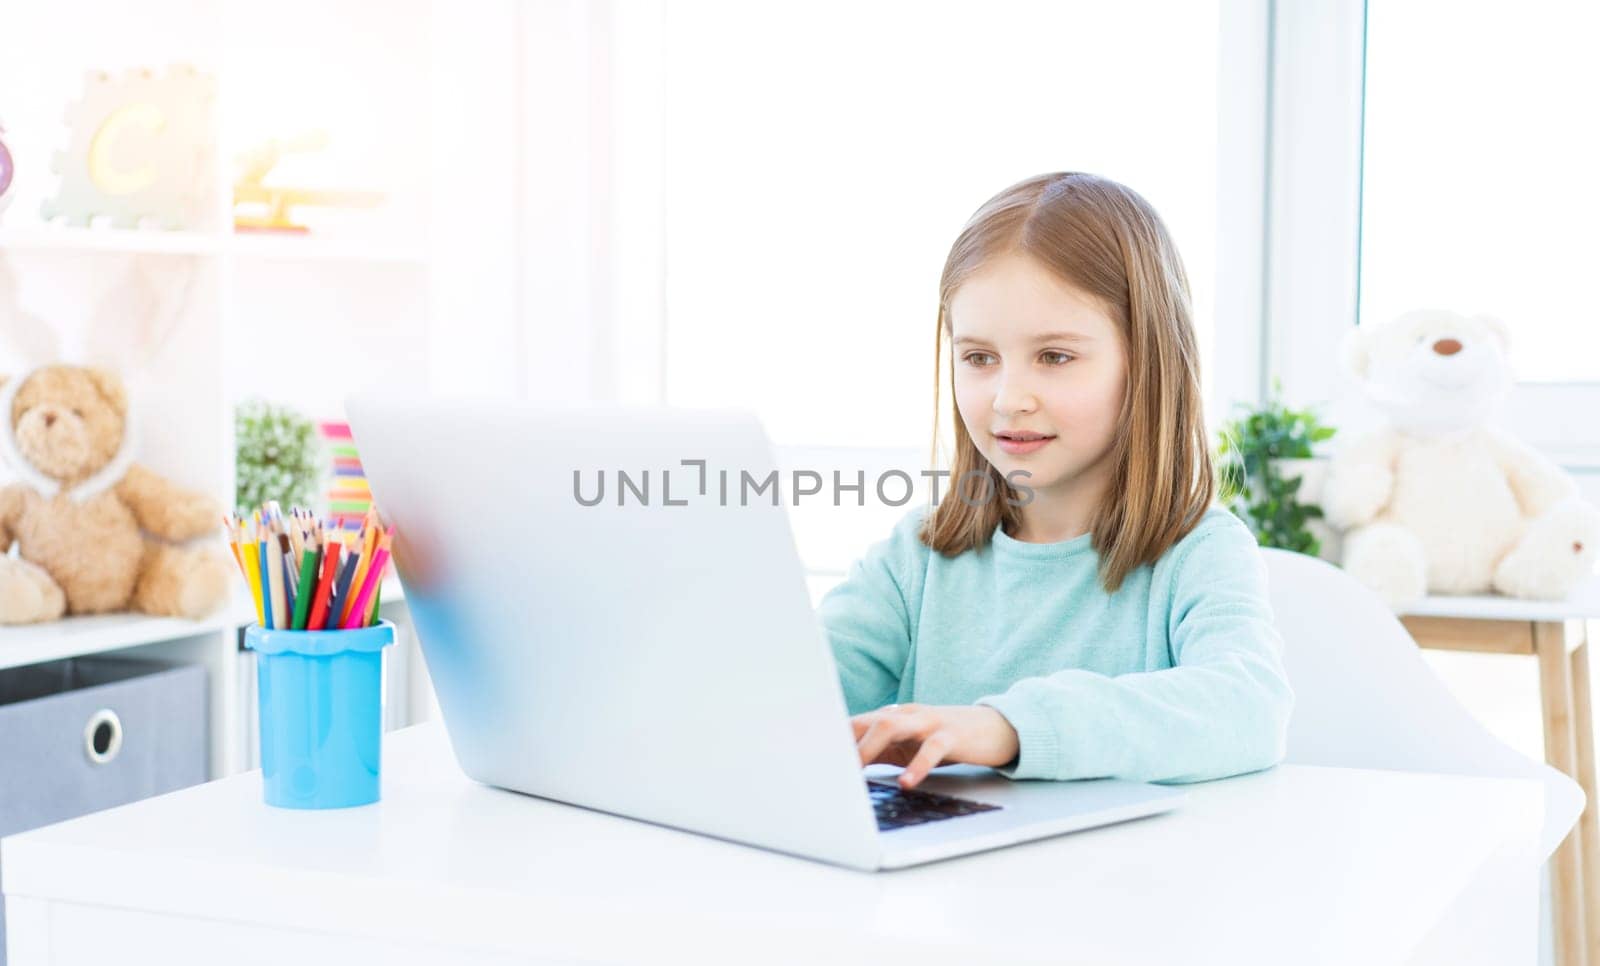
point(1583, 725)
point(1555, 693)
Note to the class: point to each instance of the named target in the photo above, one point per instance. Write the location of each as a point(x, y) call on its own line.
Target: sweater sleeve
point(1222, 708)
point(869, 616)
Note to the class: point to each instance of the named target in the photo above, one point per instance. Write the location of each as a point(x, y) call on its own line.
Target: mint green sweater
point(1175, 677)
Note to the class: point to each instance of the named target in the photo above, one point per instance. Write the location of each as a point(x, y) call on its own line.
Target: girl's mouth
point(1020, 444)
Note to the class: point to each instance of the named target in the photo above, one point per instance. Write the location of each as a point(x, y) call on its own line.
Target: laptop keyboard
point(898, 808)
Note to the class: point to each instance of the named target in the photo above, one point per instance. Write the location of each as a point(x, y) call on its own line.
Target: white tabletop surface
point(1296, 864)
point(1582, 603)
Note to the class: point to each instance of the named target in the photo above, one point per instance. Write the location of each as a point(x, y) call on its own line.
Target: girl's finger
point(876, 738)
point(888, 729)
point(859, 723)
point(928, 757)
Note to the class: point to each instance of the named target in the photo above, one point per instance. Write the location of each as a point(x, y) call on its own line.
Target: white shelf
point(80, 636)
point(335, 249)
point(125, 240)
point(61, 238)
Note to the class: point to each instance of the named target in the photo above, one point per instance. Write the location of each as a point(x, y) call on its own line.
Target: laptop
point(609, 623)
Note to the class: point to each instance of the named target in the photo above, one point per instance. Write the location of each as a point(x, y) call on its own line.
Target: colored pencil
point(260, 552)
point(265, 563)
point(341, 590)
point(288, 585)
point(367, 541)
point(377, 589)
point(293, 526)
point(288, 589)
point(233, 543)
point(287, 546)
point(330, 565)
point(364, 560)
point(252, 571)
point(377, 601)
point(245, 557)
point(358, 611)
point(275, 580)
point(307, 584)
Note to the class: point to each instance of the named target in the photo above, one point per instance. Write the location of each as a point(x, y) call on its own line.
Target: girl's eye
point(1054, 357)
point(979, 358)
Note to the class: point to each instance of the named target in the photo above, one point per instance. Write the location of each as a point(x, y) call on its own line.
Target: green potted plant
point(276, 454)
point(1269, 474)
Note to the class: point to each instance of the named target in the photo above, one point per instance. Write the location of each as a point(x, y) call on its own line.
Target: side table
point(1555, 632)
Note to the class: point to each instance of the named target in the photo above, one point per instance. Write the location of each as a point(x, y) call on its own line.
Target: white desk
point(1295, 865)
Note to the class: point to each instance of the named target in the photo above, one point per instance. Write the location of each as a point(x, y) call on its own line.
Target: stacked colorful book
point(349, 497)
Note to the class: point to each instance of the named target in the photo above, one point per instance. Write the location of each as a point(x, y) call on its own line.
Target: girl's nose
point(1013, 398)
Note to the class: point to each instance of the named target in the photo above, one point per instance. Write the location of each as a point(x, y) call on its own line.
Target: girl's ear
point(34, 341)
point(1356, 351)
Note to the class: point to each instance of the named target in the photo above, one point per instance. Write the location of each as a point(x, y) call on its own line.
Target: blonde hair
point(1105, 240)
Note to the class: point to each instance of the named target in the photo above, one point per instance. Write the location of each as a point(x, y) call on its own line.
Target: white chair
point(1366, 698)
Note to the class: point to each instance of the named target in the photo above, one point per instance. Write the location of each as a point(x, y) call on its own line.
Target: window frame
point(1313, 236)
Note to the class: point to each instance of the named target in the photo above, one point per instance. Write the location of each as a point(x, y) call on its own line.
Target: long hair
point(1105, 240)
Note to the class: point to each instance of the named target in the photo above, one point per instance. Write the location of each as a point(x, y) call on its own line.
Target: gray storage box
point(85, 734)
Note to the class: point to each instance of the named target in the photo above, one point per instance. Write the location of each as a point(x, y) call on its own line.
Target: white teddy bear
point(1439, 501)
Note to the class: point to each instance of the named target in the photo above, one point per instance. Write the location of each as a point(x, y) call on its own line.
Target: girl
point(1075, 607)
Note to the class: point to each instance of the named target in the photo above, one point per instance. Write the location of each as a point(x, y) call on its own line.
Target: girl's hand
point(919, 737)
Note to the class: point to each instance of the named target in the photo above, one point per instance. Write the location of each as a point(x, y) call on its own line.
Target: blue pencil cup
point(321, 714)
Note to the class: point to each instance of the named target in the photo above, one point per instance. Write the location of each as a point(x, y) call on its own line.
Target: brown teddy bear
point(96, 531)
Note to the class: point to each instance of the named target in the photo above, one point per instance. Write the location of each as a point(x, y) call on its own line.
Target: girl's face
point(1037, 357)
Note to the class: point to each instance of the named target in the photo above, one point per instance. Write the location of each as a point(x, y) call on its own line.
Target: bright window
point(820, 158)
point(1479, 187)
